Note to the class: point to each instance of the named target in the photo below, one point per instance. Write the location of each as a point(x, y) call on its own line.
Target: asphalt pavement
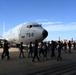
point(25, 66)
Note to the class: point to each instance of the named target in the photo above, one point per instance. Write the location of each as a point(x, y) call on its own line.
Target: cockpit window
point(30, 26)
point(36, 25)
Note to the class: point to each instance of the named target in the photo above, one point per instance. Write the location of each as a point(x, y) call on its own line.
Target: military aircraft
point(26, 33)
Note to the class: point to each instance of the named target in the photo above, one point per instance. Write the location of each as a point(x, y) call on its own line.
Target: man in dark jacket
point(35, 50)
point(21, 50)
point(30, 50)
point(60, 45)
point(5, 50)
point(53, 47)
point(69, 45)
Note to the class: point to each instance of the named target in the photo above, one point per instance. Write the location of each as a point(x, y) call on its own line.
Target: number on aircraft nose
point(29, 34)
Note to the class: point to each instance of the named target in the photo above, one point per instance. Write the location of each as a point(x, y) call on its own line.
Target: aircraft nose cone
point(45, 33)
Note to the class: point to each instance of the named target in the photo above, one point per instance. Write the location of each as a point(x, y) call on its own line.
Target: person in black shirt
point(53, 47)
point(21, 50)
point(35, 51)
point(60, 45)
point(69, 45)
point(30, 50)
point(5, 50)
point(41, 49)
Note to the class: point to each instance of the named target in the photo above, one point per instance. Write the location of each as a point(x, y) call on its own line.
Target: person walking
point(30, 50)
point(21, 50)
point(35, 51)
point(45, 50)
point(69, 45)
point(53, 47)
point(59, 51)
point(41, 50)
point(5, 50)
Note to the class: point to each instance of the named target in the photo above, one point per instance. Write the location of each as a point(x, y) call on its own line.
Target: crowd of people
point(41, 49)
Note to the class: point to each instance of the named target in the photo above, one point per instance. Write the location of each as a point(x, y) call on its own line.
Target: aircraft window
point(36, 25)
point(29, 26)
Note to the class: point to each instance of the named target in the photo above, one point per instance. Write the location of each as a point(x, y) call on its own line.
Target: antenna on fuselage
point(3, 28)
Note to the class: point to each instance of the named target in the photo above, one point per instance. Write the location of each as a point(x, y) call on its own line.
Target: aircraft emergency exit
point(26, 33)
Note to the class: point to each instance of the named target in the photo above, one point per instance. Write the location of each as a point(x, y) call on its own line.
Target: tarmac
point(25, 66)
